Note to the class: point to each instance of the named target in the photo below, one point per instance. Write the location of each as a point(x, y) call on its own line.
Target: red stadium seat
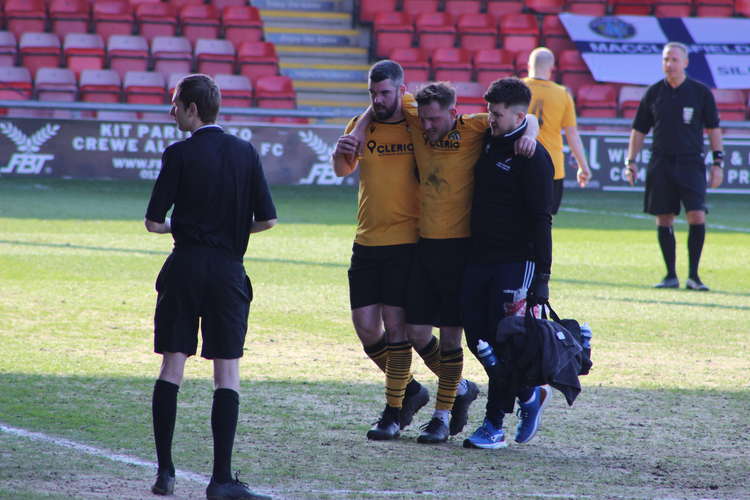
point(519, 32)
point(435, 30)
point(451, 64)
point(39, 50)
point(499, 8)
point(470, 93)
point(242, 24)
point(113, 17)
point(415, 61)
point(368, 9)
point(223, 4)
point(491, 64)
point(135, 3)
point(275, 92)
point(673, 8)
point(144, 87)
point(83, 51)
point(25, 16)
point(477, 32)
point(587, 7)
point(629, 99)
point(597, 100)
point(179, 4)
point(545, 6)
point(127, 53)
point(555, 36)
point(297, 120)
point(214, 56)
point(69, 16)
point(55, 84)
point(632, 7)
point(236, 91)
point(256, 59)
point(742, 7)
point(199, 21)
point(416, 7)
point(730, 103)
point(8, 49)
point(15, 84)
point(172, 54)
point(573, 70)
point(392, 30)
point(173, 80)
point(463, 7)
point(714, 8)
point(156, 19)
point(99, 85)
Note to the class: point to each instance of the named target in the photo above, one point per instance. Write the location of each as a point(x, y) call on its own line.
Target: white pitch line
point(648, 217)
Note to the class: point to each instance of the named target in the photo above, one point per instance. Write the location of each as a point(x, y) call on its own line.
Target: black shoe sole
point(412, 405)
point(382, 436)
point(431, 440)
point(460, 416)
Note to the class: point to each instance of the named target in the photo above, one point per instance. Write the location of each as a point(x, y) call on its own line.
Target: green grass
point(663, 413)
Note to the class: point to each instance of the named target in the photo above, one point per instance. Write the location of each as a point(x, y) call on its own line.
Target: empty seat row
point(127, 52)
point(116, 17)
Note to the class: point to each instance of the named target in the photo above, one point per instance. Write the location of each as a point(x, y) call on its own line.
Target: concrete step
point(324, 72)
point(318, 37)
point(320, 55)
point(311, 5)
point(306, 19)
point(358, 89)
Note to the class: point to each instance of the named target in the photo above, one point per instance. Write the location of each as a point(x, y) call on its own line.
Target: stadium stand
point(519, 32)
point(521, 63)
point(69, 16)
point(256, 59)
point(156, 19)
point(629, 99)
point(554, 35)
point(451, 64)
point(172, 54)
point(742, 7)
point(673, 8)
point(417, 7)
point(15, 84)
point(83, 51)
point(275, 92)
point(241, 23)
point(368, 9)
point(199, 21)
point(25, 16)
point(99, 85)
point(435, 30)
point(587, 7)
point(127, 53)
point(55, 84)
point(714, 8)
point(415, 61)
point(236, 91)
point(393, 30)
point(213, 56)
point(632, 7)
point(39, 50)
point(463, 7)
point(144, 87)
point(8, 48)
point(476, 31)
point(597, 100)
point(470, 97)
point(112, 17)
point(499, 8)
point(573, 70)
point(545, 6)
point(731, 103)
point(491, 64)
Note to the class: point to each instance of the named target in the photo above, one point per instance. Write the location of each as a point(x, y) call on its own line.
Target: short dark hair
point(387, 70)
point(509, 91)
point(441, 92)
point(203, 91)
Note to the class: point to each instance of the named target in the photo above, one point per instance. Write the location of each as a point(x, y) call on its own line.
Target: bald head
point(541, 61)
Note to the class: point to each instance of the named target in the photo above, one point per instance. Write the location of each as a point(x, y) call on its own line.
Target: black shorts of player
point(673, 179)
point(434, 296)
point(557, 194)
point(379, 274)
point(206, 284)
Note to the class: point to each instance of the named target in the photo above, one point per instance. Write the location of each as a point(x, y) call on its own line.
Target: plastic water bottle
point(586, 336)
point(486, 354)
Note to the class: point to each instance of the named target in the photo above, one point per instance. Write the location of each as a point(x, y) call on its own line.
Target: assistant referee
point(678, 108)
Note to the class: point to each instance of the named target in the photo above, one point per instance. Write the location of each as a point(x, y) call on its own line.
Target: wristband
point(717, 156)
point(629, 161)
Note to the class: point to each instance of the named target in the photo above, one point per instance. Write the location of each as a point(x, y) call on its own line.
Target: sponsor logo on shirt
point(504, 165)
point(390, 149)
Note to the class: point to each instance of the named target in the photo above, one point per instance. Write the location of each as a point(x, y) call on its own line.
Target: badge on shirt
point(504, 165)
point(687, 115)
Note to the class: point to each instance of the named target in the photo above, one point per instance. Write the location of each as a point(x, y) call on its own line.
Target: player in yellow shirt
point(387, 218)
point(555, 110)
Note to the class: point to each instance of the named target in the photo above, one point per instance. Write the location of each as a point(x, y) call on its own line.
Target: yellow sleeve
point(569, 115)
point(350, 125)
point(477, 122)
point(411, 111)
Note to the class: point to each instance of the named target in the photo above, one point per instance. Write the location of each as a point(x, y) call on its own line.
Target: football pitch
point(665, 413)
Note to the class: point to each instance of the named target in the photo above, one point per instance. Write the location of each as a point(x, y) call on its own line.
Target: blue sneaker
point(487, 436)
point(530, 415)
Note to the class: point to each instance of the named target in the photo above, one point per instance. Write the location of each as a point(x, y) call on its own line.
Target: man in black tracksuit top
point(510, 250)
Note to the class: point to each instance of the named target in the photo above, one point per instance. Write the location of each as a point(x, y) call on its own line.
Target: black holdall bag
point(574, 328)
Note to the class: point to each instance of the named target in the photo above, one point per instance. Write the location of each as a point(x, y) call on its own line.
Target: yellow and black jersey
point(554, 108)
point(388, 200)
point(446, 173)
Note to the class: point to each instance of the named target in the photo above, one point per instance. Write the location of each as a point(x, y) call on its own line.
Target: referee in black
point(678, 108)
point(216, 184)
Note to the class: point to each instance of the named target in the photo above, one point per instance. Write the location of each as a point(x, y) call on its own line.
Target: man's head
point(674, 60)
point(507, 102)
point(437, 110)
point(386, 86)
point(195, 102)
point(541, 62)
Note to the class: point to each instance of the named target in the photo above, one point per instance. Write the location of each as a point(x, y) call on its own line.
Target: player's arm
point(538, 195)
point(716, 177)
point(158, 227)
point(526, 144)
point(635, 144)
point(262, 225)
point(345, 155)
point(163, 194)
point(576, 146)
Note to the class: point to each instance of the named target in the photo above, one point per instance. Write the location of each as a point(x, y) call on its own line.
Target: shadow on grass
point(681, 303)
point(307, 439)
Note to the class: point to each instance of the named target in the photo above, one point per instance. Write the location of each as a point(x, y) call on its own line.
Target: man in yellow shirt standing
point(554, 108)
point(387, 218)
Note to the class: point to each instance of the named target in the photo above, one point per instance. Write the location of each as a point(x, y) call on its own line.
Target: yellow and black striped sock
point(397, 373)
point(431, 355)
point(378, 353)
point(451, 367)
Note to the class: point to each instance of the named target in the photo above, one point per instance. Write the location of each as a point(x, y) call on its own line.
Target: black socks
point(696, 237)
point(667, 244)
point(224, 415)
point(164, 412)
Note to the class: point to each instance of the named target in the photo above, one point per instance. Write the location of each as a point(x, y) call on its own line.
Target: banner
point(627, 49)
point(294, 154)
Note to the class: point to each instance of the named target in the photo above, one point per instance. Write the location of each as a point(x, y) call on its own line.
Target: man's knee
point(696, 217)
point(368, 324)
point(172, 367)
point(665, 220)
point(227, 374)
point(450, 338)
point(419, 335)
point(394, 320)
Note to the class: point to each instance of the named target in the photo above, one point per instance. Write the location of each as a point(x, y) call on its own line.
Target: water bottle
point(486, 354)
point(586, 336)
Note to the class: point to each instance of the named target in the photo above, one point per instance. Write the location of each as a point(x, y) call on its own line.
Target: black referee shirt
point(215, 182)
point(511, 213)
point(678, 116)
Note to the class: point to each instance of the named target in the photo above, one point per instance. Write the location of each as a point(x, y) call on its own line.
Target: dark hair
point(508, 91)
point(440, 92)
point(387, 70)
point(203, 91)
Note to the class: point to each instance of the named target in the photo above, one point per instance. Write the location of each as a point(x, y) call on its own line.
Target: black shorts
point(434, 296)
point(202, 283)
point(674, 179)
point(557, 193)
point(379, 274)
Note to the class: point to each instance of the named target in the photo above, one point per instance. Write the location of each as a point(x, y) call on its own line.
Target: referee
point(216, 184)
point(678, 108)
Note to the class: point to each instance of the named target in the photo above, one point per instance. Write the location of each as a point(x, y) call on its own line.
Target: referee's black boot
point(387, 427)
point(233, 490)
point(668, 282)
point(164, 484)
point(412, 404)
point(433, 432)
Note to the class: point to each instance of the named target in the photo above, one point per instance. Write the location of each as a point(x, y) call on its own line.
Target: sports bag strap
point(552, 313)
